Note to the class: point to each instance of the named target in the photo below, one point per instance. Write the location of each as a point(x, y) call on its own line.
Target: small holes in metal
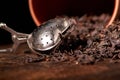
point(41, 38)
point(51, 27)
point(46, 35)
point(42, 44)
point(47, 42)
point(57, 26)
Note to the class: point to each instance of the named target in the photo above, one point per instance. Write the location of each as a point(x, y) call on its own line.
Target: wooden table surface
point(15, 67)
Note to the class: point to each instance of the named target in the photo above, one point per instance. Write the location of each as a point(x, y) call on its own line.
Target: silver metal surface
point(48, 35)
point(44, 38)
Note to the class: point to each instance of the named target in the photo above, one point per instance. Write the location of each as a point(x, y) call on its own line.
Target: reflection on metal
point(44, 38)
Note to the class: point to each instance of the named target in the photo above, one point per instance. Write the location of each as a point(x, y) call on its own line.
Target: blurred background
point(17, 16)
point(16, 13)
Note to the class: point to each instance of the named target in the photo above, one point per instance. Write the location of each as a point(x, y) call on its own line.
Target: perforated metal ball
point(48, 35)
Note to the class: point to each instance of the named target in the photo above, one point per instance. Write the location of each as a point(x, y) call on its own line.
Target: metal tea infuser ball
point(46, 37)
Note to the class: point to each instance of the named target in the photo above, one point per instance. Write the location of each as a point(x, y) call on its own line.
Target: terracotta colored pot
point(42, 10)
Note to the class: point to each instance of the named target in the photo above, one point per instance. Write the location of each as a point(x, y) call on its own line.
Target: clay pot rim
point(115, 14)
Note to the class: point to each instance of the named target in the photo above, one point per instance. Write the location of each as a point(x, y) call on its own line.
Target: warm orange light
point(35, 19)
point(114, 15)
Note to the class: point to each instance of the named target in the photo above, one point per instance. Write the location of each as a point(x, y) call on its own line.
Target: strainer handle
point(17, 38)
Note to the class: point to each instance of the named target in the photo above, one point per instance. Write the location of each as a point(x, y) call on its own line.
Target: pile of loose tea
point(90, 42)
